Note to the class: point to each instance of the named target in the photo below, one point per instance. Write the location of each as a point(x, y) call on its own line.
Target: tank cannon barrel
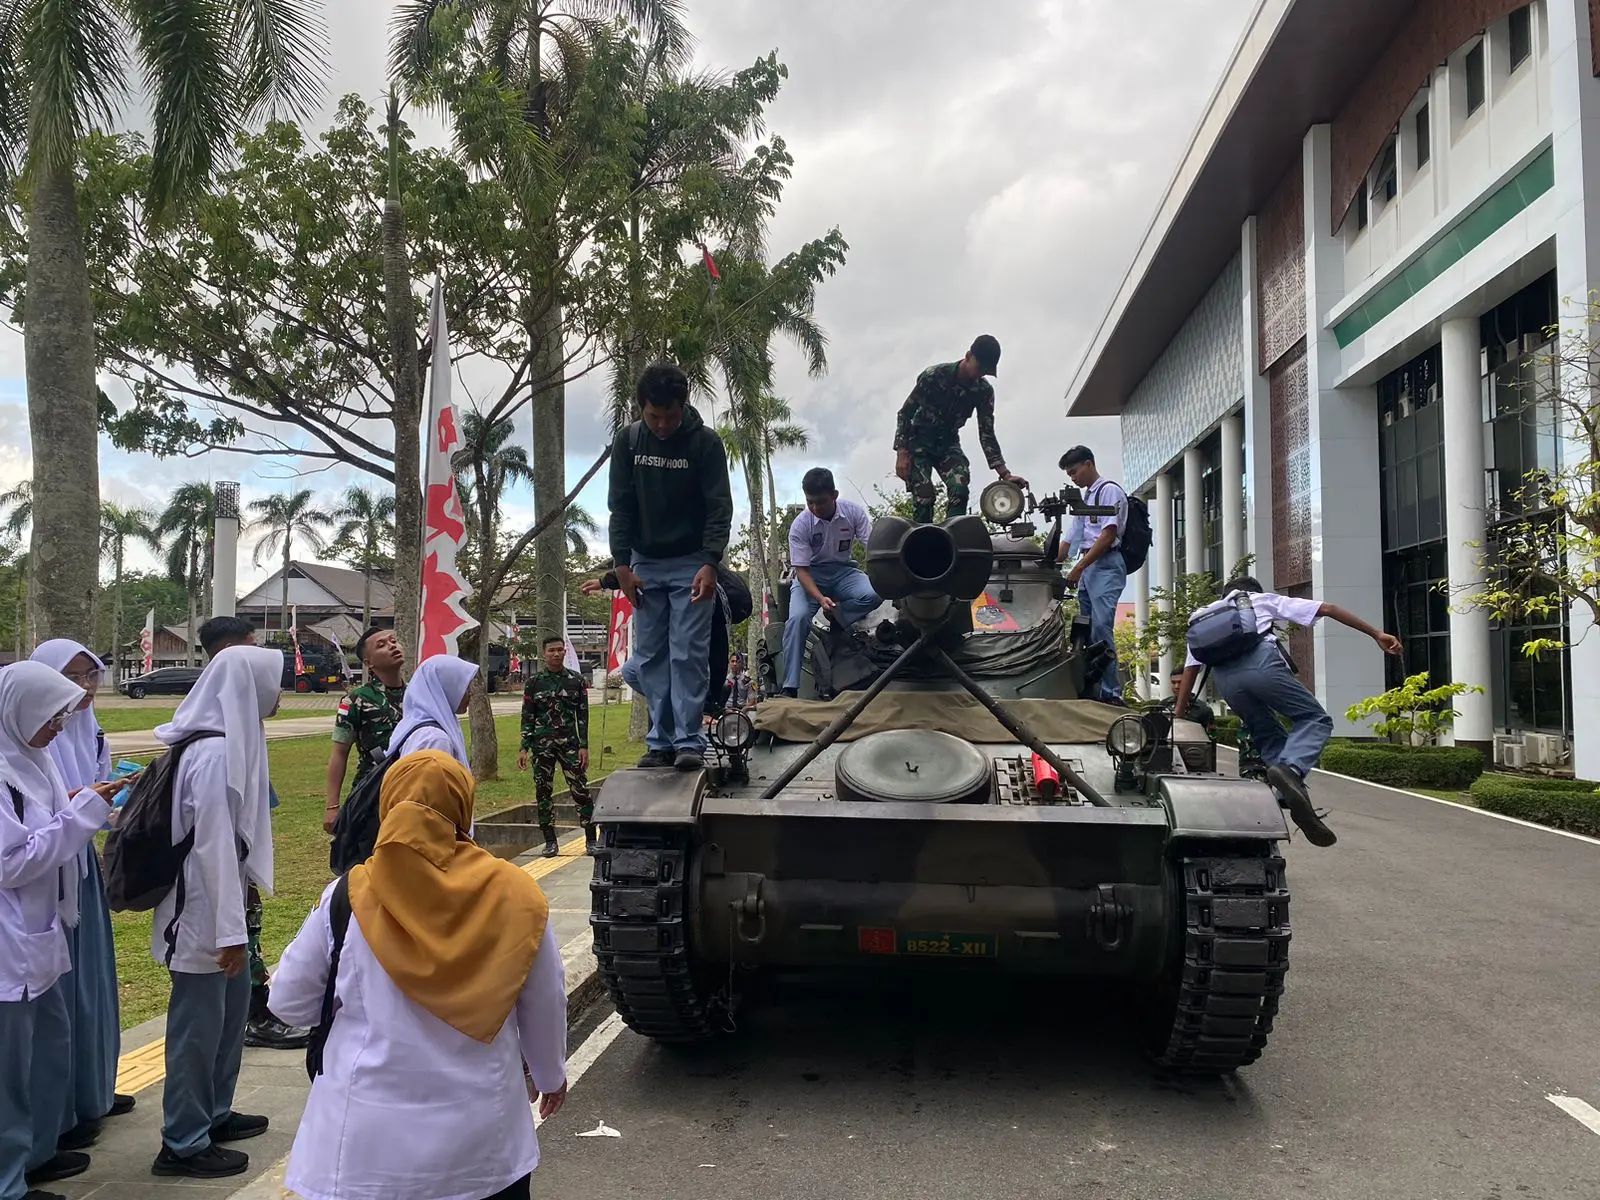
point(928, 568)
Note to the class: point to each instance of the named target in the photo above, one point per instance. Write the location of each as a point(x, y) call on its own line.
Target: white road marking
point(1580, 1111)
point(593, 1047)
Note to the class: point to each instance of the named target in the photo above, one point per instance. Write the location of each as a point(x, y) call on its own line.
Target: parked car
point(163, 681)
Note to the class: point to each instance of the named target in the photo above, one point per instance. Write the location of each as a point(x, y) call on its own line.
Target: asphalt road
point(1444, 981)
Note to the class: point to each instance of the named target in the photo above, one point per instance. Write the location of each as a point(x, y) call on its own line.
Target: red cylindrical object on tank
point(1045, 780)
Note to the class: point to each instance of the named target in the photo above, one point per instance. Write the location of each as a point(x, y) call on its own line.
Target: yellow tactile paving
point(147, 1066)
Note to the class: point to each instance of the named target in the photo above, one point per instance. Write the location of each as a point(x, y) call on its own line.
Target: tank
point(956, 806)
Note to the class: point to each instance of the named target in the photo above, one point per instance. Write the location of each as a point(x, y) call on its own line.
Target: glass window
point(1410, 452)
point(1424, 137)
point(1361, 206)
point(1524, 435)
point(1417, 609)
point(1475, 82)
point(1520, 40)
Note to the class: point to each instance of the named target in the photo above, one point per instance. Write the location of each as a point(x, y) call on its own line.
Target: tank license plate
point(949, 945)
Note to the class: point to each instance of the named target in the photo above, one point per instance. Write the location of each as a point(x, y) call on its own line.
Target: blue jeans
point(205, 1042)
point(35, 1051)
point(671, 643)
point(1260, 687)
point(1099, 589)
point(844, 583)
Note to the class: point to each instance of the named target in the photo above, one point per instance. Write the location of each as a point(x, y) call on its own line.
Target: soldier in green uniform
point(927, 433)
point(555, 729)
point(367, 716)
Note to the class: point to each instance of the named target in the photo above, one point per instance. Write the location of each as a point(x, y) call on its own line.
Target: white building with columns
point(1322, 353)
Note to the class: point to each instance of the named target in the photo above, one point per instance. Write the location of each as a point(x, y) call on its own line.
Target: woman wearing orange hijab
point(449, 980)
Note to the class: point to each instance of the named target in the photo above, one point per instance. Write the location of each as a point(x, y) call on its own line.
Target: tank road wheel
point(1229, 958)
point(639, 914)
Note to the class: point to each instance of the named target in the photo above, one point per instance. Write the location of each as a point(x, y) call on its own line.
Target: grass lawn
point(299, 768)
point(137, 718)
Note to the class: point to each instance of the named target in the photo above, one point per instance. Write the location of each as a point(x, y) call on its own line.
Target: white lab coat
point(33, 942)
point(408, 1108)
point(214, 879)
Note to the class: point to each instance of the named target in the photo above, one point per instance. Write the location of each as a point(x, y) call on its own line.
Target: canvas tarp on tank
point(955, 713)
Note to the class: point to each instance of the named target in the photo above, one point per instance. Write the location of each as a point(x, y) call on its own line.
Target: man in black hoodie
point(671, 514)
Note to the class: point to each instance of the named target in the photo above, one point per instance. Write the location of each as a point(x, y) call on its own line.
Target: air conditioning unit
point(1510, 754)
point(1503, 742)
point(1544, 749)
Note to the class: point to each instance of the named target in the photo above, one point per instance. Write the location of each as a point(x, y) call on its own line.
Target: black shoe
point(1292, 792)
point(656, 758)
point(236, 1127)
point(791, 693)
point(551, 849)
point(121, 1105)
point(34, 1194)
point(269, 1033)
point(62, 1166)
point(214, 1162)
point(690, 760)
point(589, 839)
point(80, 1137)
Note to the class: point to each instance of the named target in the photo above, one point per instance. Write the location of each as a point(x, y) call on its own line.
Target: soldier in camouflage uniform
point(927, 434)
point(555, 730)
point(367, 716)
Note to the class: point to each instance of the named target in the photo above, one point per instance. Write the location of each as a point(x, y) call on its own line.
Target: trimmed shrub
point(1227, 729)
point(1437, 767)
point(1569, 804)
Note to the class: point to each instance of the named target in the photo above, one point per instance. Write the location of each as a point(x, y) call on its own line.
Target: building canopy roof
point(1295, 66)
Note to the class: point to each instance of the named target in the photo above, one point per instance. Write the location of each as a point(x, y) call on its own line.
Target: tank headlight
point(1127, 737)
point(734, 731)
point(1001, 502)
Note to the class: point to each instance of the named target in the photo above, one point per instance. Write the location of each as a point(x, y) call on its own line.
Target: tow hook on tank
point(750, 913)
point(1108, 918)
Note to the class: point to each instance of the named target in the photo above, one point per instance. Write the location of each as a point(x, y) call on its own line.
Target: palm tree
point(189, 520)
point(522, 45)
point(210, 68)
point(769, 428)
point(485, 466)
point(17, 504)
point(118, 527)
point(282, 518)
point(580, 527)
point(366, 537)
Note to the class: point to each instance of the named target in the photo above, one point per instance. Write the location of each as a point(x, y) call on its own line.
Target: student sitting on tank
point(825, 572)
point(1236, 638)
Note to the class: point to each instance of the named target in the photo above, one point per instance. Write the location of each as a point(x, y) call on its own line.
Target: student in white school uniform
point(435, 699)
point(449, 981)
point(83, 757)
point(220, 792)
point(43, 833)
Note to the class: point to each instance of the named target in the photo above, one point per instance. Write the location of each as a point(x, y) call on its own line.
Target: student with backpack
point(82, 756)
point(435, 978)
point(221, 826)
point(1102, 569)
point(43, 833)
point(1236, 637)
point(430, 718)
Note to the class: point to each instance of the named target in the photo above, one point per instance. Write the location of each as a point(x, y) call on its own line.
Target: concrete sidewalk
point(273, 1082)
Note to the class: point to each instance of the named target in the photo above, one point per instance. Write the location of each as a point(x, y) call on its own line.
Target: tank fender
point(1213, 808)
point(650, 796)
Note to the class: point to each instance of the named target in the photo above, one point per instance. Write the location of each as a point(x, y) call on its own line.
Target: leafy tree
point(282, 518)
point(141, 592)
point(189, 522)
point(1413, 713)
point(118, 527)
point(365, 537)
point(17, 505)
point(209, 68)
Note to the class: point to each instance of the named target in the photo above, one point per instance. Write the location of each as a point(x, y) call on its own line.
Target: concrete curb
point(584, 988)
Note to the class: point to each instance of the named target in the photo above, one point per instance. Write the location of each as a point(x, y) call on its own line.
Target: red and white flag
point(442, 617)
point(147, 642)
point(294, 640)
point(618, 641)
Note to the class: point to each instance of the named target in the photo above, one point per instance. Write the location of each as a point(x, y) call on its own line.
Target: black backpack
point(355, 830)
point(141, 862)
point(339, 923)
point(1135, 545)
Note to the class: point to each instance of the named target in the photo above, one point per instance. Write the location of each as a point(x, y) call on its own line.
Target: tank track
point(1235, 955)
point(641, 932)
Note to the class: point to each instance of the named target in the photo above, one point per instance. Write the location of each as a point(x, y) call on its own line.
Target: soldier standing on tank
point(927, 433)
point(555, 730)
point(367, 716)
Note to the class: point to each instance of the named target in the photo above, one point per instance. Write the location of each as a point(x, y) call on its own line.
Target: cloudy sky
point(993, 167)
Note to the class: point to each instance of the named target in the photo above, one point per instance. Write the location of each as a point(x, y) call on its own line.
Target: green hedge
point(1560, 803)
point(1438, 767)
point(1227, 729)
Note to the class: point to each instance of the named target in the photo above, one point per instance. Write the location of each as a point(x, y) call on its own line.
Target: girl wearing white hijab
point(220, 794)
point(83, 758)
point(43, 832)
point(437, 693)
